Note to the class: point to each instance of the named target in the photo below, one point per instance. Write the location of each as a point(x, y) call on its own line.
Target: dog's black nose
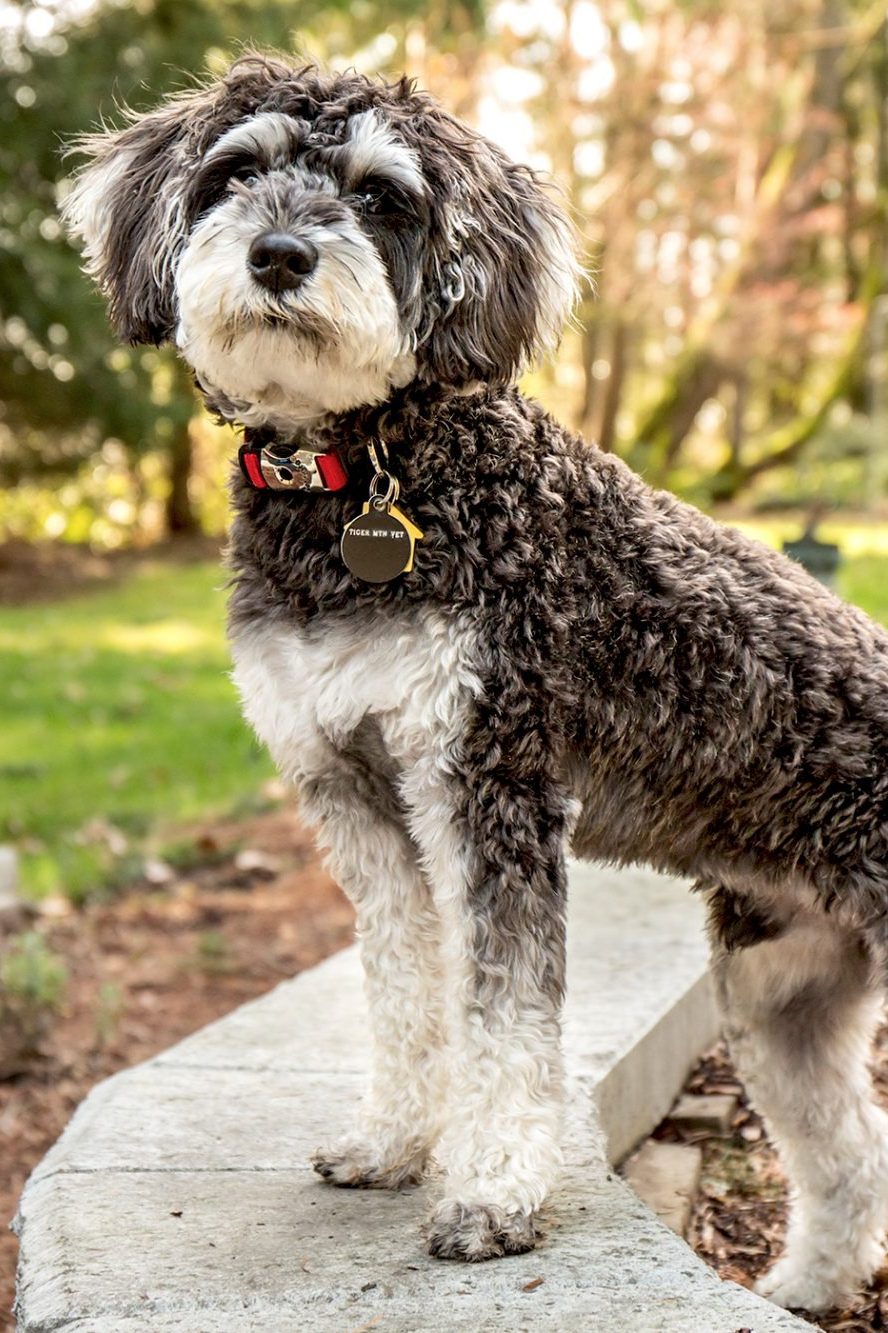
point(281, 262)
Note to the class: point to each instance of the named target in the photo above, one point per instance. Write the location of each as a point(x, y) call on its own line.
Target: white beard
point(265, 374)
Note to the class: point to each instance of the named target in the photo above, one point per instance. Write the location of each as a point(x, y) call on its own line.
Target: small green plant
point(186, 854)
point(109, 1008)
point(213, 952)
point(733, 1170)
point(32, 988)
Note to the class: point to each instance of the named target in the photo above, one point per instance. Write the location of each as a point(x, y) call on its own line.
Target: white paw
point(356, 1164)
point(476, 1231)
point(797, 1287)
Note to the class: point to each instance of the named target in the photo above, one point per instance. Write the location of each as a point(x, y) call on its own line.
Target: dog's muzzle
point(281, 262)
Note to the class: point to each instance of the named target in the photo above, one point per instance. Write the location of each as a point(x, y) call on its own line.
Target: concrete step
point(666, 1176)
point(180, 1198)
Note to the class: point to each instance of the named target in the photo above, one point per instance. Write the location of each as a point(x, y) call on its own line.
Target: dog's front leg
point(493, 849)
point(347, 790)
point(373, 859)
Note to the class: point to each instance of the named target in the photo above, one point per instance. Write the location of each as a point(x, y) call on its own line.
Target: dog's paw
point(474, 1232)
point(797, 1287)
point(353, 1165)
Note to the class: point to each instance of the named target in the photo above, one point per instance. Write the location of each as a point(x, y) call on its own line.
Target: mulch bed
point(154, 964)
point(738, 1221)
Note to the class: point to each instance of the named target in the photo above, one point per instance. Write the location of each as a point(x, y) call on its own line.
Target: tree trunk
point(823, 111)
point(737, 420)
point(875, 367)
point(785, 444)
point(659, 437)
point(588, 354)
point(181, 519)
point(614, 389)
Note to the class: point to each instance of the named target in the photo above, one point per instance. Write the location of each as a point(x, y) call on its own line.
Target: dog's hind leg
point(492, 847)
point(801, 1008)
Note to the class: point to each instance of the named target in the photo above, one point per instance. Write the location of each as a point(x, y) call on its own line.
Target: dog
point(471, 640)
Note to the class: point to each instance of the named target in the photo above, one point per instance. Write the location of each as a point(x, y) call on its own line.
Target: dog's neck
point(395, 422)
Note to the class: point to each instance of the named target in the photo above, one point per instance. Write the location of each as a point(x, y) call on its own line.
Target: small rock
point(56, 906)
point(101, 832)
point(15, 912)
point(158, 872)
point(707, 1115)
point(251, 858)
point(665, 1176)
point(8, 877)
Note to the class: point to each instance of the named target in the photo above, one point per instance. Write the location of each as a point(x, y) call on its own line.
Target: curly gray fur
point(721, 712)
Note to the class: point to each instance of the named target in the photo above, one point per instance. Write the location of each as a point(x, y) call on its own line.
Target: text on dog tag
point(379, 544)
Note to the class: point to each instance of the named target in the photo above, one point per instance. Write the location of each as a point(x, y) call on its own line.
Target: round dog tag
point(377, 546)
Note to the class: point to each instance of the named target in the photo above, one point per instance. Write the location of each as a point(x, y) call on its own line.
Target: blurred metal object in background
point(822, 559)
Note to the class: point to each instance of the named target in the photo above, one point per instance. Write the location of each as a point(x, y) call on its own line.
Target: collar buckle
point(279, 466)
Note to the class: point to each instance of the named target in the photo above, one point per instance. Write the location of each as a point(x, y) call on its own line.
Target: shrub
point(32, 988)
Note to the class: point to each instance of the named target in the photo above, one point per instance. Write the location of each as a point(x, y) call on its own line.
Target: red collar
point(275, 465)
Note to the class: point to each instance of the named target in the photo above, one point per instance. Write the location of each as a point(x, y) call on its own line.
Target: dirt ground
point(32, 572)
point(154, 964)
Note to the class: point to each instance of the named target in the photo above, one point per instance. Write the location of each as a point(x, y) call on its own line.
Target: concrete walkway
point(180, 1196)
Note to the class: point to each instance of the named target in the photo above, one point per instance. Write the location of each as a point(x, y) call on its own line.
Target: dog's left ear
point(503, 275)
point(125, 209)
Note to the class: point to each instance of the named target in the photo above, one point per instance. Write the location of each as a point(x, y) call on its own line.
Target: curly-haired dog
point(566, 656)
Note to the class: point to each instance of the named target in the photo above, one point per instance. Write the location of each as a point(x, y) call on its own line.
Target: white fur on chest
point(305, 691)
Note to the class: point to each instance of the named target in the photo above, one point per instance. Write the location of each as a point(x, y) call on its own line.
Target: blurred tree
point(65, 386)
point(728, 165)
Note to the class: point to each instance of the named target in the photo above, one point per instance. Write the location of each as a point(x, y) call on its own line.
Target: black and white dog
point(470, 640)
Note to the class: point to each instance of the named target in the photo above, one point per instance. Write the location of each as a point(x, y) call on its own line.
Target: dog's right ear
point(125, 209)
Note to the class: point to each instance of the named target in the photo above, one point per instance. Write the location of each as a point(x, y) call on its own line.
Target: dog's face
point(313, 241)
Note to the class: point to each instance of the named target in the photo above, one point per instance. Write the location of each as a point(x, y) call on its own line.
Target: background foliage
point(727, 166)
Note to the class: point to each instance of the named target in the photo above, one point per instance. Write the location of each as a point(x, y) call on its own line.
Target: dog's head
point(312, 241)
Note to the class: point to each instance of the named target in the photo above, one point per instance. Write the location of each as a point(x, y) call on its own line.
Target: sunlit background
point(727, 168)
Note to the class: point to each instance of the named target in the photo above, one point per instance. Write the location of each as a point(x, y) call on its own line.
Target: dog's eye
point(247, 175)
point(374, 196)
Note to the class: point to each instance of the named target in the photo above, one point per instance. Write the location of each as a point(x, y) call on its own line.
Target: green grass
point(117, 706)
